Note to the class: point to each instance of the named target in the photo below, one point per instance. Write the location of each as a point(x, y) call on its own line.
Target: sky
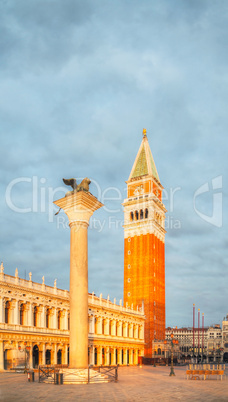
point(79, 80)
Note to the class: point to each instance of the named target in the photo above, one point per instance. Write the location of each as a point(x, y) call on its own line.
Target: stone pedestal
point(79, 207)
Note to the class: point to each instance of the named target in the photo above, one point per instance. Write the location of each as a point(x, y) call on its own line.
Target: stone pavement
point(135, 384)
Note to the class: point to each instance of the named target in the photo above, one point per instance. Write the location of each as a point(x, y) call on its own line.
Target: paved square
point(135, 384)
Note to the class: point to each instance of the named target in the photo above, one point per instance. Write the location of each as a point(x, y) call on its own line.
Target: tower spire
point(144, 164)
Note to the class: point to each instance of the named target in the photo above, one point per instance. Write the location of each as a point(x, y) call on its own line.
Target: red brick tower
point(144, 244)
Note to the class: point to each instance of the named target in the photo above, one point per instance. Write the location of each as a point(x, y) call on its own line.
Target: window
point(141, 214)
point(146, 213)
point(35, 314)
point(59, 319)
point(129, 266)
point(136, 215)
point(48, 318)
point(131, 216)
point(7, 307)
point(22, 314)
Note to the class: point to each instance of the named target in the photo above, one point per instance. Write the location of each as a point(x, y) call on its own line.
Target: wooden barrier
point(196, 374)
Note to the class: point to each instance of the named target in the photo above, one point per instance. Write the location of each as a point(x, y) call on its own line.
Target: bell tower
point(144, 244)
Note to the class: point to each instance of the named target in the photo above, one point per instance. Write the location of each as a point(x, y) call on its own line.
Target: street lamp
point(173, 342)
point(26, 348)
point(165, 343)
point(221, 352)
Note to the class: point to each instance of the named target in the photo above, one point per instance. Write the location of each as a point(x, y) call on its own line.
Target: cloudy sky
point(79, 80)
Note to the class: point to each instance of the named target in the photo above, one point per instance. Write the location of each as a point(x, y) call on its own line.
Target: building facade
point(207, 342)
point(144, 244)
point(225, 338)
point(34, 326)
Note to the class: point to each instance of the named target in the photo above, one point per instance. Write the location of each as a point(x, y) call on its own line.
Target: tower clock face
point(139, 190)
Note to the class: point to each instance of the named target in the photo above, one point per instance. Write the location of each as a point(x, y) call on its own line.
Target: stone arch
point(95, 356)
point(7, 359)
point(35, 356)
point(59, 356)
point(48, 356)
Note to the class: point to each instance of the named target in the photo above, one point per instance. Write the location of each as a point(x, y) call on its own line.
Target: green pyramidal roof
point(144, 162)
point(141, 166)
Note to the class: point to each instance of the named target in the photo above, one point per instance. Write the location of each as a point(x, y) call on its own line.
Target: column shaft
point(78, 295)
point(1, 355)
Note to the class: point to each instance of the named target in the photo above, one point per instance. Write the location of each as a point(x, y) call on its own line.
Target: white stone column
point(12, 312)
point(30, 355)
point(65, 320)
point(106, 326)
point(107, 363)
point(99, 355)
point(16, 313)
point(125, 356)
point(25, 316)
point(99, 325)
point(42, 316)
point(113, 357)
point(30, 315)
point(130, 356)
point(42, 354)
point(125, 329)
point(90, 324)
point(113, 327)
point(135, 356)
point(131, 331)
point(65, 357)
point(79, 207)
point(119, 328)
point(91, 362)
point(1, 355)
point(136, 331)
point(54, 318)
point(55, 353)
point(2, 317)
point(119, 356)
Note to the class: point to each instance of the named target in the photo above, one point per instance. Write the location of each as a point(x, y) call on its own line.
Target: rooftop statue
point(83, 186)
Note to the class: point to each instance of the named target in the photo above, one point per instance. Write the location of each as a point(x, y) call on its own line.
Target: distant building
point(206, 341)
point(225, 338)
point(34, 326)
point(144, 244)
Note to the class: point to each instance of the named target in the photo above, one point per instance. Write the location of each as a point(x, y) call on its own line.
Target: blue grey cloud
point(79, 81)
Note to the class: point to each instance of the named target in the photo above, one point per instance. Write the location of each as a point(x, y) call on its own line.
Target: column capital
point(79, 206)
